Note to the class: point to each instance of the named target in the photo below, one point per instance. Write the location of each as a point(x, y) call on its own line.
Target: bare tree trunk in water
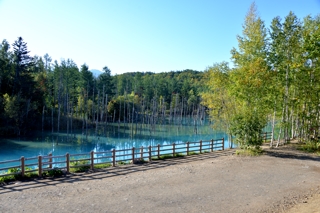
point(132, 116)
point(43, 108)
point(59, 108)
point(67, 99)
point(119, 116)
point(103, 105)
point(181, 113)
point(170, 116)
point(52, 119)
point(97, 109)
point(86, 126)
point(71, 120)
point(106, 109)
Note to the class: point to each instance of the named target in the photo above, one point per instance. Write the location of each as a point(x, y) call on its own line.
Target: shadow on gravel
point(291, 154)
point(110, 172)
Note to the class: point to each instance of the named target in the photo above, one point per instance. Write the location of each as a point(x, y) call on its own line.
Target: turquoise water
point(105, 139)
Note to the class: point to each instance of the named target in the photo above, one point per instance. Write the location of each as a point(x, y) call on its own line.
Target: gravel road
point(281, 180)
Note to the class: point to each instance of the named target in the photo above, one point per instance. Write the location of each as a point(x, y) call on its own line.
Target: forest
point(38, 94)
point(274, 79)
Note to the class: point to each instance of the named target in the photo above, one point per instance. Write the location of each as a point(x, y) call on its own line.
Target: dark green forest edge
point(37, 94)
point(274, 79)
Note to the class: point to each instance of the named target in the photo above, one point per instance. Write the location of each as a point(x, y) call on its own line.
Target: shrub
point(194, 153)
point(249, 151)
point(122, 162)
point(12, 177)
point(311, 146)
point(56, 172)
point(247, 127)
point(177, 155)
point(79, 166)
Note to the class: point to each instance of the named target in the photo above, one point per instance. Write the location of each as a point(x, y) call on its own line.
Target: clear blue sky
point(137, 35)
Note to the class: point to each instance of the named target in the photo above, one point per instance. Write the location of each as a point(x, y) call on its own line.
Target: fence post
point(68, 162)
point(150, 153)
point(22, 166)
point(200, 146)
point(173, 149)
point(113, 157)
point(158, 151)
point(40, 165)
point(50, 160)
point(188, 145)
point(265, 137)
point(222, 143)
point(132, 155)
point(211, 145)
point(92, 159)
point(141, 153)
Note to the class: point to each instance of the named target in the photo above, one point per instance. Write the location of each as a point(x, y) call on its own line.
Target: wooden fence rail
point(41, 164)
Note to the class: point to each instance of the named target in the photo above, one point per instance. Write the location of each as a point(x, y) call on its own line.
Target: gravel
point(281, 180)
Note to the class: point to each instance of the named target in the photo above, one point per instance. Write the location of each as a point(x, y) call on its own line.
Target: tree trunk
point(273, 124)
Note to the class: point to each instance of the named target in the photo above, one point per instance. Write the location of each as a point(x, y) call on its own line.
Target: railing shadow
point(110, 172)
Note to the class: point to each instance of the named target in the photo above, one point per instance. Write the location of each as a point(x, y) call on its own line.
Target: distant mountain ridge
point(96, 73)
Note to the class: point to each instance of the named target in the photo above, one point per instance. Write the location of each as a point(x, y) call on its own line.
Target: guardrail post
point(22, 166)
point(150, 153)
point(173, 149)
point(200, 146)
point(40, 165)
point(158, 151)
point(188, 146)
point(68, 162)
point(222, 143)
point(211, 145)
point(132, 155)
point(113, 157)
point(50, 160)
point(92, 159)
point(141, 153)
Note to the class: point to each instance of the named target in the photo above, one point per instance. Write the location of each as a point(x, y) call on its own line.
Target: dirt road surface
point(282, 180)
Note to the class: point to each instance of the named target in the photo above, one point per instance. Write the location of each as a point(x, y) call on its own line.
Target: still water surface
point(111, 137)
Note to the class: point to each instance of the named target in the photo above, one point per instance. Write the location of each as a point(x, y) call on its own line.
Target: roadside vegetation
point(275, 79)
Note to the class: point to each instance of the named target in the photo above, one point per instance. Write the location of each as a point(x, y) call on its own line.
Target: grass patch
point(123, 162)
point(194, 153)
point(178, 155)
point(101, 166)
point(168, 156)
point(80, 166)
point(163, 157)
point(250, 151)
point(311, 147)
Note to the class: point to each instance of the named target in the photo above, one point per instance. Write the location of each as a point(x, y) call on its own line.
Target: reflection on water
point(123, 136)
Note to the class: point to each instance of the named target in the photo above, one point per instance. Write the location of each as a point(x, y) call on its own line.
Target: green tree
point(105, 82)
point(251, 78)
point(285, 59)
point(217, 97)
